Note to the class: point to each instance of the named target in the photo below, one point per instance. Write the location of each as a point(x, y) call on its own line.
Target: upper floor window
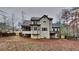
point(55, 29)
point(35, 28)
point(34, 22)
point(44, 21)
point(44, 29)
point(58, 29)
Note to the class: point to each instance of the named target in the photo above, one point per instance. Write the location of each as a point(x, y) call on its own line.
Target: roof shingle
point(38, 18)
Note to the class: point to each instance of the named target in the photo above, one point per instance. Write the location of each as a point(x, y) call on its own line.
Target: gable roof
point(35, 18)
point(26, 23)
point(38, 18)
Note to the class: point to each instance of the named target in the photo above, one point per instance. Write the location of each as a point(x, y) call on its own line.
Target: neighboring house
point(55, 30)
point(26, 28)
point(40, 27)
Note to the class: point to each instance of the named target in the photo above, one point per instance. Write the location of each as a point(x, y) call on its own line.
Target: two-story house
point(40, 27)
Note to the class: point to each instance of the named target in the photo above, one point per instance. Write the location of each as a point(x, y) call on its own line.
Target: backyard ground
point(16, 43)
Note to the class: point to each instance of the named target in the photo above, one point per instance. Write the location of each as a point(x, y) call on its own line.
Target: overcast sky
point(31, 12)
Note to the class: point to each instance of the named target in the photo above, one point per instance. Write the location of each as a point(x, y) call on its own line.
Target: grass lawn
point(16, 43)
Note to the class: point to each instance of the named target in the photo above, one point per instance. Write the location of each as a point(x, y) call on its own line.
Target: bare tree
point(13, 22)
point(22, 15)
point(65, 14)
point(74, 14)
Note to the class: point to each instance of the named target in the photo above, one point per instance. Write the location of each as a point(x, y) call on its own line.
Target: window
point(44, 29)
point(55, 29)
point(44, 21)
point(35, 28)
point(28, 28)
point(35, 22)
point(58, 29)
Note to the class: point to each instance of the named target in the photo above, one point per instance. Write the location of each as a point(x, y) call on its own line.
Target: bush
point(20, 34)
point(5, 34)
point(71, 37)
